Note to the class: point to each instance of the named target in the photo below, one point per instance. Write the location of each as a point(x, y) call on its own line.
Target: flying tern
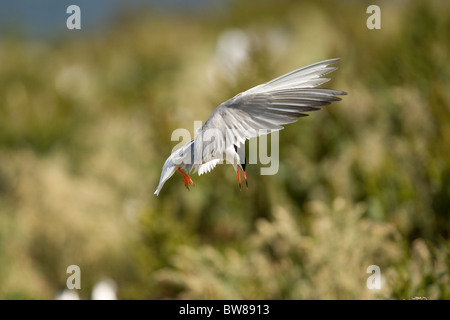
point(260, 110)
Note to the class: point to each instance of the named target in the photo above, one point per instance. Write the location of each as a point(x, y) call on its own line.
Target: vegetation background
point(85, 126)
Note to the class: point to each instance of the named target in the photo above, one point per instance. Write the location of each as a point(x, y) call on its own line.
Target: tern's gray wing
point(266, 108)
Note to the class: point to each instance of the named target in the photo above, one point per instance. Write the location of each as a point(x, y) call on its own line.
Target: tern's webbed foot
point(186, 178)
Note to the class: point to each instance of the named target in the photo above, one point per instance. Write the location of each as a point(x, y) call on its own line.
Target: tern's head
point(168, 170)
point(176, 160)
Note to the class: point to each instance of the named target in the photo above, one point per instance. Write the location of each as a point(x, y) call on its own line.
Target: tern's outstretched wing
point(266, 108)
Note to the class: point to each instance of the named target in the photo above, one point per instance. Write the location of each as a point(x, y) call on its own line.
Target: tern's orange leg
point(239, 179)
point(245, 178)
point(186, 178)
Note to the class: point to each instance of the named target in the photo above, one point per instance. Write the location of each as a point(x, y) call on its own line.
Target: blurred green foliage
point(85, 127)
